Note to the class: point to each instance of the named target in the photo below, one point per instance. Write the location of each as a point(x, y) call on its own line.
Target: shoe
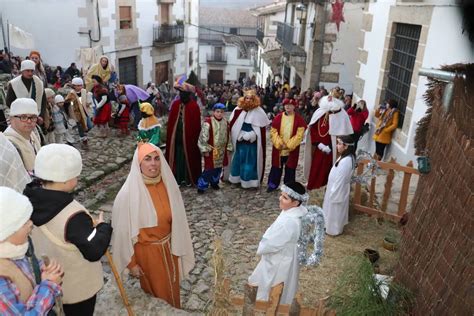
point(215, 186)
point(84, 144)
point(200, 191)
point(269, 189)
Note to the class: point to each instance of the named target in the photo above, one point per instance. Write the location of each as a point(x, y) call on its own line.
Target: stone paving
point(238, 217)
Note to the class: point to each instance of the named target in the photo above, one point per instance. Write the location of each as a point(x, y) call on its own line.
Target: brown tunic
point(153, 251)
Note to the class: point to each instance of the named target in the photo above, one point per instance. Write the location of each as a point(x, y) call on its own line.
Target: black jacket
point(49, 203)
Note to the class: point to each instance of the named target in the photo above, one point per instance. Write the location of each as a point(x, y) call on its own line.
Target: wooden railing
point(248, 305)
point(371, 208)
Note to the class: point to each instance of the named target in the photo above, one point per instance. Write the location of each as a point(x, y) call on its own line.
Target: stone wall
point(436, 249)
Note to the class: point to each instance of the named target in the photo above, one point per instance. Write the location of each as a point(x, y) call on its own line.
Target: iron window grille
point(402, 63)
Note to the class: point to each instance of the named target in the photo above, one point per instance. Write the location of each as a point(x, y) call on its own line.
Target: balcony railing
point(168, 34)
point(217, 58)
point(260, 35)
point(286, 35)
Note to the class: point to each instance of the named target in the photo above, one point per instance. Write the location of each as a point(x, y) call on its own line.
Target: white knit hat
point(77, 81)
point(58, 163)
point(23, 106)
point(58, 99)
point(15, 211)
point(27, 65)
point(49, 92)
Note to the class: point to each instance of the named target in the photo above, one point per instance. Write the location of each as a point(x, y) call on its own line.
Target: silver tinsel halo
point(370, 172)
point(310, 243)
point(295, 195)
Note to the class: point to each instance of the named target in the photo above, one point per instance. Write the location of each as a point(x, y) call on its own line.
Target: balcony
point(164, 35)
point(260, 35)
point(286, 36)
point(217, 58)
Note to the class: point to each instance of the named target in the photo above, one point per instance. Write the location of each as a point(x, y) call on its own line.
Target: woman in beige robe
point(151, 235)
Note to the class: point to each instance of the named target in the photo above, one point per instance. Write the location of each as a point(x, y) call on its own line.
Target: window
point(125, 14)
point(190, 58)
point(401, 65)
point(233, 30)
point(128, 70)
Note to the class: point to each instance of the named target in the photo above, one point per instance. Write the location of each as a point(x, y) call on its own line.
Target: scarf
point(148, 123)
point(148, 180)
point(386, 116)
point(11, 251)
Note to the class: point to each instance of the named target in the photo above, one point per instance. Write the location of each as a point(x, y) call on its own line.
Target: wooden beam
point(274, 299)
point(388, 187)
point(373, 211)
point(396, 167)
point(250, 296)
point(358, 186)
point(402, 205)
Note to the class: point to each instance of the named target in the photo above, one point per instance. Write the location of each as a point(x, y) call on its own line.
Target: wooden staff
point(120, 284)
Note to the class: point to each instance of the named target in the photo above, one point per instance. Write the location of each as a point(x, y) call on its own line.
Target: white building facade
point(315, 51)
point(398, 38)
point(145, 40)
point(227, 44)
point(268, 57)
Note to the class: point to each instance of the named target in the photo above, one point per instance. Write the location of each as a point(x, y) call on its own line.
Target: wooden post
point(295, 307)
point(119, 284)
point(402, 205)
point(372, 193)
point(274, 299)
point(358, 186)
point(388, 187)
point(250, 296)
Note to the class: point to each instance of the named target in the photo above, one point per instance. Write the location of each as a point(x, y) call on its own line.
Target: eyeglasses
point(25, 118)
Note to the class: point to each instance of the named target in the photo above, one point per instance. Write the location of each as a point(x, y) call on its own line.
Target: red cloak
point(294, 155)
point(191, 129)
point(321, 163)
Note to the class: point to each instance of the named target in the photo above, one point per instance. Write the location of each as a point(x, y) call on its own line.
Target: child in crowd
point(27, 286)
point(62, 130)
point(122, 116)
point(278, 247)
point(48, 124)
point(214, 144)
point(65, 230)
point(336, 198)
point(149, 127)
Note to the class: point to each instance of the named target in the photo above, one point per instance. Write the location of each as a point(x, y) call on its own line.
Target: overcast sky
point(233, 3)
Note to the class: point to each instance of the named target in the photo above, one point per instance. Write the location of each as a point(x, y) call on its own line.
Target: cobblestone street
point(238, 217)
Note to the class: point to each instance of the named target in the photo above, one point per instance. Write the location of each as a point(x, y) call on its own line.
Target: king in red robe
point(184, 126)
point(329, 121)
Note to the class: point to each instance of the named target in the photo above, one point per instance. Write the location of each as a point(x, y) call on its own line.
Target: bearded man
point(248, 122)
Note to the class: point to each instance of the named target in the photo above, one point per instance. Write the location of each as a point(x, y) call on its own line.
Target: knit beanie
point(15, 211)
point(58, 163)
point(23, 106)
point(49, 92)
point(77, 81)
point(27, 65)
point(58, 99)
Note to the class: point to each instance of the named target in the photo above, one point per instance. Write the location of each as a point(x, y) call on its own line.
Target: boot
point(85, 144)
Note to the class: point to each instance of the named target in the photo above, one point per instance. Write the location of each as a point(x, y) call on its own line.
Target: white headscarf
point(133, 209)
